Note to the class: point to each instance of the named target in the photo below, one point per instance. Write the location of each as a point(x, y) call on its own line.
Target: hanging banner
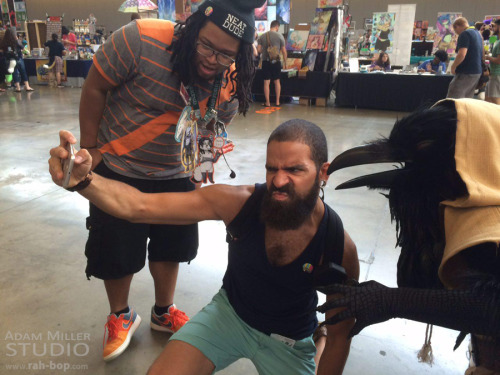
point(166, 10)
point(403, 32)
point(446, 39)
point(383, 32)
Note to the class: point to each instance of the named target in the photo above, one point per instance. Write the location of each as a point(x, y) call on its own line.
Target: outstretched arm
point(463, 310)
point(219, 202)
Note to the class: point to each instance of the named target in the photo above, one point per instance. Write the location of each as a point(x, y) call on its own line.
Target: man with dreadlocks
point(140, 82)
point(445, 200)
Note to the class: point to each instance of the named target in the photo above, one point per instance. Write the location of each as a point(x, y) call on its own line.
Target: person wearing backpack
point(270, 46)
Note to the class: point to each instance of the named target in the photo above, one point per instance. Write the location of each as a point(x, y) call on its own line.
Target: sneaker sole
point(159, 328)
point(125, 344)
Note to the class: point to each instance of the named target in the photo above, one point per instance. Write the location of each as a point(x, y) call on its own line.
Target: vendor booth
point(390, 91)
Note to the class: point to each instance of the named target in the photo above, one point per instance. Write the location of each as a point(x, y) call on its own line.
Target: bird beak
point(373, 153)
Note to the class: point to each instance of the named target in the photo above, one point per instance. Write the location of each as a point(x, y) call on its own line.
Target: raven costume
point(445, 199)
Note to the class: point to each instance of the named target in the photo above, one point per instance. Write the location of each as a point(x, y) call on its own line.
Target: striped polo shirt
point(136, 133)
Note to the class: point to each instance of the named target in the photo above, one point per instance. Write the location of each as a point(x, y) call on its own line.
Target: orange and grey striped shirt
point(136, 133)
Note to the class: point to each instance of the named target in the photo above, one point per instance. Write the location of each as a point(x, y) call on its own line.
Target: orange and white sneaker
point(171, 321)
point(117, 333)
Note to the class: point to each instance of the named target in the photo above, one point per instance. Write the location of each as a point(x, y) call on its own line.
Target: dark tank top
point(271, 299)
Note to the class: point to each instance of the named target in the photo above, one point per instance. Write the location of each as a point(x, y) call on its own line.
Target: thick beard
point(288, 215)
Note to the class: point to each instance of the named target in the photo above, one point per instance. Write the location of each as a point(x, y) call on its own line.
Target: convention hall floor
point(51, 314)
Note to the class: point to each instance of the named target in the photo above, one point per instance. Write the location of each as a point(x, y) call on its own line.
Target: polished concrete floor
point(51, 315)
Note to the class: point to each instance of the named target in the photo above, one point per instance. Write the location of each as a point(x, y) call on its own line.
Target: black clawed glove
point(370, 302)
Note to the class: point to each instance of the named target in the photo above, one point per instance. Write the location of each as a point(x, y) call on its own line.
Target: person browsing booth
point(142, 78)
point(281, 236)
point(433, 65)
point(270, 45)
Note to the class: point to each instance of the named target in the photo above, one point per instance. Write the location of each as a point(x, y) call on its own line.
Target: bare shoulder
point(227, 200)
point(350, 261)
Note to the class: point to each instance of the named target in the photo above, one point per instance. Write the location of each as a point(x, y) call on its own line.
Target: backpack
point(272, 51)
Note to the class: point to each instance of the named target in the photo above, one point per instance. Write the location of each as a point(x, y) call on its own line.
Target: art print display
point(261, 13)
point(271, 2)
point(321, 22)
point(420, 30)
point(297, 40)
point(383, 32)
point(329, 3)
point(261, 27)
point(446, 39)
point(293, 63)
point(283, 11)
point(166, 10)
point(310, 59)
point(315, 41)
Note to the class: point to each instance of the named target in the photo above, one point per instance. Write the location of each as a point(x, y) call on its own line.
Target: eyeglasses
point(207, 51)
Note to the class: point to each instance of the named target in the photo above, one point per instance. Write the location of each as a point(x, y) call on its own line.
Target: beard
point(291, 214)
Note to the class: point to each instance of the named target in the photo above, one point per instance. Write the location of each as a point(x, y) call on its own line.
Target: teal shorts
point(219, 333)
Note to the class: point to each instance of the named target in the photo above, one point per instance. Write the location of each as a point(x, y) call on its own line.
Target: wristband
point(82, 184)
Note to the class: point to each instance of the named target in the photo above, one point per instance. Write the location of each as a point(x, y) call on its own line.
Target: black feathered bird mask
point(445, 195)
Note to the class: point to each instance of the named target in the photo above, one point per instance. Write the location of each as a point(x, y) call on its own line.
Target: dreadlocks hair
point(184, 50)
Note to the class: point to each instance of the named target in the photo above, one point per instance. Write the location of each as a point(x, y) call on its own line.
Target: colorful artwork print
point(166, 10)
point(310, 60)
point(297, 40)
point(283, 11)
point(292, 63)
point(261, 13)
point(446, 39)
point(382, 32)
point(261, 27)
point(315, 41)
point(329, 3)
point(321, 21)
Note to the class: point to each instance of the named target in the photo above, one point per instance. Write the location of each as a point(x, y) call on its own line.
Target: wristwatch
point(82, 184)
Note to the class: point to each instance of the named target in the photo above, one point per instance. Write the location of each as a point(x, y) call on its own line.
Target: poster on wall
point(261, 27)
point(321, 21)
point(329, 3)
point(446, 39)
point(166, 10)
point(297, 40)
point(383, 32)
point(283, 8)
point(261, 13)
